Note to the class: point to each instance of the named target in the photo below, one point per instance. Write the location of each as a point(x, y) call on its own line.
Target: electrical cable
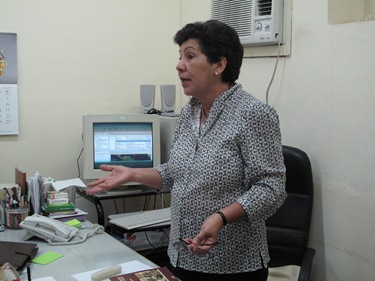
point(274, 71)
point(155, 201)
point(79, 169)
point(97, 229)
point(115, 203)
point(124, 205)
point(79, 156)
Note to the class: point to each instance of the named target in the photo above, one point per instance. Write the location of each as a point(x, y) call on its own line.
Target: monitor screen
point(131, 140)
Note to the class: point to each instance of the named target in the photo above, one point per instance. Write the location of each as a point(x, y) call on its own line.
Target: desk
point(150, 241)
point(128, 192)
point(100, 250)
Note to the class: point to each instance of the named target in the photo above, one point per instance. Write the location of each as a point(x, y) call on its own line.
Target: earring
point(216, 73)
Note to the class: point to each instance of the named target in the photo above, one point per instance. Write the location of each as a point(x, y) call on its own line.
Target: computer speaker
point(168, 98)
point(147, 95)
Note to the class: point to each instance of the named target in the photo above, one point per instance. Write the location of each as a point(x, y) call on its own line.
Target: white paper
point(127, 267)
point(9, 109)
point(45, 279)
point(61, 185)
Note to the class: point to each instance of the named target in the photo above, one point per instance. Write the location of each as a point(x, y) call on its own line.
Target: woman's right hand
point(119, 175)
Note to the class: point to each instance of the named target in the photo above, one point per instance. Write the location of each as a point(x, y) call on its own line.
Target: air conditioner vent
point(257, 22)
point(264, 8)
point(236, 13)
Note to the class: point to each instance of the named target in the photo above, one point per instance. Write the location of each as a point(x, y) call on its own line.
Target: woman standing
point(226, 172)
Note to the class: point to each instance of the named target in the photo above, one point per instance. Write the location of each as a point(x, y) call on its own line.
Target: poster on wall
point(8, 84)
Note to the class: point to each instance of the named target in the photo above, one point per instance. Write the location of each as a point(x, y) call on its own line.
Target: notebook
point(17, 253)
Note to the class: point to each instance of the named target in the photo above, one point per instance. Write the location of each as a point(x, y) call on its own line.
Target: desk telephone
point(48, 229)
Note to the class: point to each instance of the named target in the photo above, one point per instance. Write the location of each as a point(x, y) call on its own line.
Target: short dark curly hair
point(216, 40)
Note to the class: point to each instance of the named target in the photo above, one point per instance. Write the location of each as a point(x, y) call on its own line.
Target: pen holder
point(14, 217)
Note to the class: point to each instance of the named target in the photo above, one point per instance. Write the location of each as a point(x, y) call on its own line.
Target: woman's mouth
point(184, 81)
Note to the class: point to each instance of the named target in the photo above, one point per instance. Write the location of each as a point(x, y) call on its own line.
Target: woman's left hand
point(207, 237)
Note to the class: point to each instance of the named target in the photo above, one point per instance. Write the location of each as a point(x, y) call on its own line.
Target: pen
point(15, 196)
point(7, 192)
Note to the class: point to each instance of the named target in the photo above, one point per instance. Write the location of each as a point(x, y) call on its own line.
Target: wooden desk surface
point(98, 251)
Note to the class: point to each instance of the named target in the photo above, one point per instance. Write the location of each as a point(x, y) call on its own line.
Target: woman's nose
point(180, 66)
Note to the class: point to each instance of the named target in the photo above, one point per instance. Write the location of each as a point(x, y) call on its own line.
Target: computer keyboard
point(142, 219)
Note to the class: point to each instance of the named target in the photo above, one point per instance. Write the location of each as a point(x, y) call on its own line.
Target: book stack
point(57, 203)
point(59, 207)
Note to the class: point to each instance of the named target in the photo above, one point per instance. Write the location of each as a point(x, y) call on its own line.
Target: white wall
point(324, 94)
point(77, 58)
point(90, 56)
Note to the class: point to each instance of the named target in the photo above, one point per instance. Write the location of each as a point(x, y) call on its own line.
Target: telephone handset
point(48, 229)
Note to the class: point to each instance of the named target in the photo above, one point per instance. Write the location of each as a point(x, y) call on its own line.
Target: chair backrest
point(288, 229)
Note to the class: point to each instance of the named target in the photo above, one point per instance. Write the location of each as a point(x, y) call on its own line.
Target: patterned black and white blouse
point(235, 156)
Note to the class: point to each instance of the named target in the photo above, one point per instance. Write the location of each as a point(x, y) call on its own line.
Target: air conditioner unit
point(257, 22)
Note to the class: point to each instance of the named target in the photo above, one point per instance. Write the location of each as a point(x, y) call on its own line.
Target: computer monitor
point(131, 140)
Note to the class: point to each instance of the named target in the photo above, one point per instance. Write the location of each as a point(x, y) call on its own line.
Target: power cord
point(79, 156)
point(159, 243)
point(97, 229)
point(274, 71)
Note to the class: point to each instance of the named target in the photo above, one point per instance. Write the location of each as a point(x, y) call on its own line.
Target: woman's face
point(197, 75)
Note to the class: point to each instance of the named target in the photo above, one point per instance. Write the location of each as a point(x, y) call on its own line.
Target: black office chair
point(288, 229)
